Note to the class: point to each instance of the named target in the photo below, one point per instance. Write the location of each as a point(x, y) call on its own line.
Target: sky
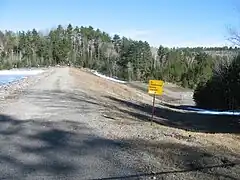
point(171, 23)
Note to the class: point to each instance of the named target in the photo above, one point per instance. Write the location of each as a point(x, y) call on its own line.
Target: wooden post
point(154, 96)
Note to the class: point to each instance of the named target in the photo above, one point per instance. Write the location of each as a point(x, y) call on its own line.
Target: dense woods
point(112, 55)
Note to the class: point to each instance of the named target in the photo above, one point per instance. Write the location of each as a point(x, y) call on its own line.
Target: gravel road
point(57, 130)
point(45, 134)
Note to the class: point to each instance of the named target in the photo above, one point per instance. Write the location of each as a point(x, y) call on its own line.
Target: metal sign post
point(154, 96)
point(155, 87)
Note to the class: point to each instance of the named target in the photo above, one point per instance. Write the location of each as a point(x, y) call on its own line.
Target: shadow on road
point(41, 149)
point(187, 121)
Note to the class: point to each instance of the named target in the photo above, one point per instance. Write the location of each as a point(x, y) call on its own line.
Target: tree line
point(114, 56)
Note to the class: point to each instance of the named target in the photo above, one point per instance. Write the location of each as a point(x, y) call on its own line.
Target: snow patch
point(211, 112)
point(106, 77)
point(21, 72)
point(220, 112)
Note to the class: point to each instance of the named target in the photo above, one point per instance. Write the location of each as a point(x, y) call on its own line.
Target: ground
point(71, 124)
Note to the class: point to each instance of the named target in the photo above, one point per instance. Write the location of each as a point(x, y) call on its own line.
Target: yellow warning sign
point(155, 87)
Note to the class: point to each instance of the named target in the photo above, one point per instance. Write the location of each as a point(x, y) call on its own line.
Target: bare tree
point(234, 36)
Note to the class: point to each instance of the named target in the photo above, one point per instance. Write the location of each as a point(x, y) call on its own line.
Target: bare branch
point(234, 36)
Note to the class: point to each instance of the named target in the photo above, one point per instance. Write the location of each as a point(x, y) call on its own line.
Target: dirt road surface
point(74, 125)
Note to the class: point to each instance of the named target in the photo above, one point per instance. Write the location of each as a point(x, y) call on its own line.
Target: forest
point(115, 56)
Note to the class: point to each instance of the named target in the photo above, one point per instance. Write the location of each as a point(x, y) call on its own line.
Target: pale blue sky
point(166, 22)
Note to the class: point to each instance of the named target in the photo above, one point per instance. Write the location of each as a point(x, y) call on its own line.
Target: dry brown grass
point(102, 87)
point(99, 88)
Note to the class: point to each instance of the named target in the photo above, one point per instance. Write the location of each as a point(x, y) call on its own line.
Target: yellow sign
point(155, 87)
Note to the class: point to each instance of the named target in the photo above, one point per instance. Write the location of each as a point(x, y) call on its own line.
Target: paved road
point(44, 134)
